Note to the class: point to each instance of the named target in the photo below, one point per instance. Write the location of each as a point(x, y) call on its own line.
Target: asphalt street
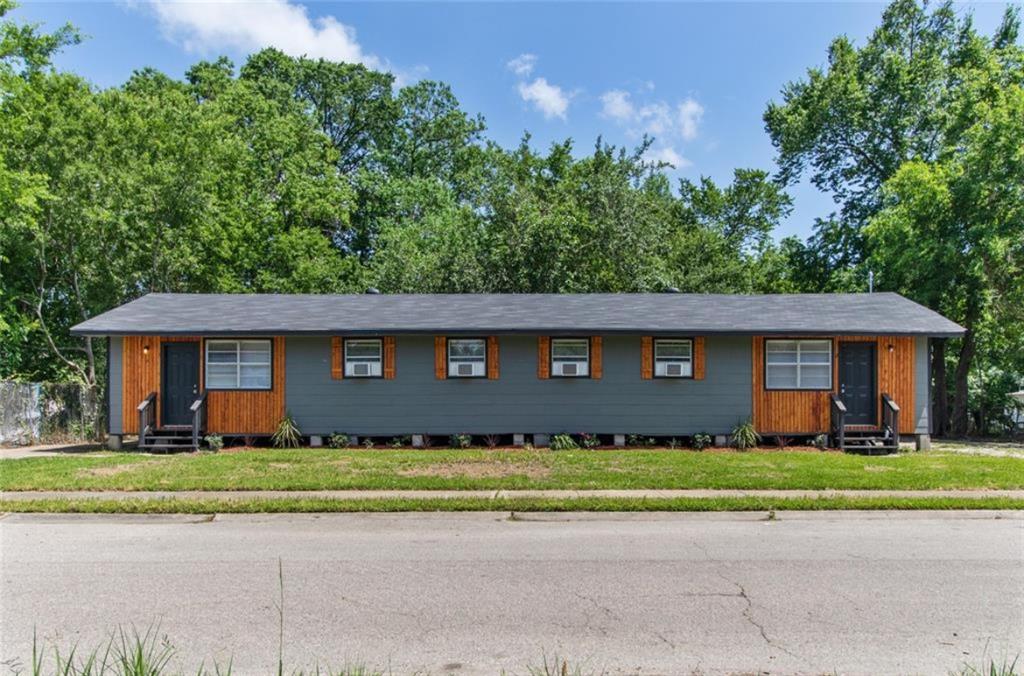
point(831, 592)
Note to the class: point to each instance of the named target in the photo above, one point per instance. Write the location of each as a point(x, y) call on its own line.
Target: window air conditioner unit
point(569, 368)
point(465, 369)
point(674, 369)
point(362, 369)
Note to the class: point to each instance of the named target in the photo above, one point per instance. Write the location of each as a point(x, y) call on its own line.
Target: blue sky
point(695, 75)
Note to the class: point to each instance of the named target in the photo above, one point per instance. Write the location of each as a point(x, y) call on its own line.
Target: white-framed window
point(798, 364)
point(673, 358)
point(364, 358)
point(570, 357)
point(467, 357)
point(238, 364)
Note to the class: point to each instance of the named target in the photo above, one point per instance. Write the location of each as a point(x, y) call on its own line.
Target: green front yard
point(310, 469)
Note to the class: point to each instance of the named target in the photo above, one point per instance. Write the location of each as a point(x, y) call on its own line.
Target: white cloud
point(523, 64)
point(689, 115)
point(615, 104)
point(210, 26)
point(549, 99)
point(667, 154)
point(655, 118)
point(668, 124)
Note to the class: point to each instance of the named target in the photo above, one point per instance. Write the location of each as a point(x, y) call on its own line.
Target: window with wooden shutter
point(647, 357)
point(337, 357)
point(389, 357)
point(440, 357)
point(492, 358)
point(543, 357)
point(698, 358)
point(596, 367)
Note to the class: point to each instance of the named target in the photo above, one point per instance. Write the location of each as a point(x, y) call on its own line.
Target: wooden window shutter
point(647, 357)
point(698, 358)
point(596, 367)
point(492, 358)
point(337, 358)
point(440, 358)
point(389, 357)
point(543, 357)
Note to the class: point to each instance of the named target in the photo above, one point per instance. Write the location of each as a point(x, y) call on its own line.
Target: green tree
point(880, 122)
point(951, 235)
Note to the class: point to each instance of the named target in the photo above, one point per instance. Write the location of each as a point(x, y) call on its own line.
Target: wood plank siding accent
point(807, 411)
point(389, 357)
point(543, 357)
point(440, 358)
point(493, 370)
point(647, 357)
point(228, 411)
point(596, 358)
point(337, 358)
point(698, 358)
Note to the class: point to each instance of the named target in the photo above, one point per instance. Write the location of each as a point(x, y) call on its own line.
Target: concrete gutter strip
point(504, 494)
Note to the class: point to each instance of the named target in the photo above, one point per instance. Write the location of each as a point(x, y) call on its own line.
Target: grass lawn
point(310, 469)
point(513, 505)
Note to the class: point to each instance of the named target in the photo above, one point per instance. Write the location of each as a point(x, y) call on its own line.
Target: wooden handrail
point(147, 416)
point(198, 410)
point(150, 398)
point(838, 418)
point(891, 418)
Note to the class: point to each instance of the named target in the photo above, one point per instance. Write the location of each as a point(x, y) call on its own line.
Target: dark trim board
point(202, 363)
point(447, 367)
point(554, 333)
point(834, 350)
point(551, 357)
point(344, 364)
point(106, 396)
point(693, 358)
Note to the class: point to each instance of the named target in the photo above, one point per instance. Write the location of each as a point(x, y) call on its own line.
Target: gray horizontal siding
point(116, 382)
point(922, 383)
point(415, 402)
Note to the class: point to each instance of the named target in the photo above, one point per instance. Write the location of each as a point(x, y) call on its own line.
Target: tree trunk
point(940, 395)
point(963, 367)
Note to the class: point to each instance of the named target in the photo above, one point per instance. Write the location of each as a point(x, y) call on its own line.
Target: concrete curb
point(653, 494)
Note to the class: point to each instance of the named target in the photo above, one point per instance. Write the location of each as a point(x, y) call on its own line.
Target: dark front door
point(179, 382)
point(857, 382)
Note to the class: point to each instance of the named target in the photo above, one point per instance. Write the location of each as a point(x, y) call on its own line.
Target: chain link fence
point(49, 413)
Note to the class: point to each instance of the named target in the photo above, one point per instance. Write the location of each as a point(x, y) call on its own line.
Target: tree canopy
point(304, 175)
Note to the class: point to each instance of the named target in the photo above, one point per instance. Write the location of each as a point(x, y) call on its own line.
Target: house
point(854, 366)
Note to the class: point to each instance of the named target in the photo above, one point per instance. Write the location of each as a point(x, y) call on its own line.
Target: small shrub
point(491, 440)
point(248, 441)
point(339, 440)
point(588, 440)
point(563, 442)
point(527, 446)
point(640, 441)
point(460, 441)
point(700, 441)
point(368, 443)
point(287, 434)
point(821, 442)
point(744, 436)
point(989, 667)
point(427, 441)
point(673, 443)
point(782, 441)
point(399, 442)
point(556, 666)
point(214, 442)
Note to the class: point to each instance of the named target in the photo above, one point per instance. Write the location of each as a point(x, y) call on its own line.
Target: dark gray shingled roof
point(661, 313)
